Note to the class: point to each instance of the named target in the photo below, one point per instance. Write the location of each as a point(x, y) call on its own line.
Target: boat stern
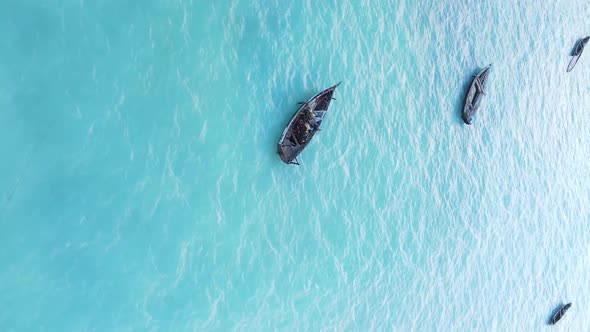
point(466, 118)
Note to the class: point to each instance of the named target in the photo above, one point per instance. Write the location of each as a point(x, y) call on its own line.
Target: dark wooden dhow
point(474, 95)
point(559, 313)
point(304, 125)
point(577, 52)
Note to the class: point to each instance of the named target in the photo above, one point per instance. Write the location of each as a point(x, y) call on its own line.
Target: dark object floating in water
point(474, 94)
point(576, 54)
point(304, 124)
point(559, 313)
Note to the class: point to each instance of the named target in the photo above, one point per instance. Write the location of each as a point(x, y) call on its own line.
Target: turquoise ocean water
point(140, 189)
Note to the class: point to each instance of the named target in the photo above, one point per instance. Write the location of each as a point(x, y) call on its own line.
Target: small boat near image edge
point(577, 53)
point(474, 95)
point(304, 125)
point(559, 313)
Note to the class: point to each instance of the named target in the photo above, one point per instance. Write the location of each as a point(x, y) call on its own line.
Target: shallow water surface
point(140, 188)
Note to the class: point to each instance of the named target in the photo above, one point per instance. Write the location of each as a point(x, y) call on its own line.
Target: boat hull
point(577, 53)
point(304, 124)
point(559, 313)
point(475, 95)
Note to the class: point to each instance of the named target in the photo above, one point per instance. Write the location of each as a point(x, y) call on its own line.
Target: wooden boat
point(304, 125)
point(559, 313)
point(474, 95)
point(577, 52)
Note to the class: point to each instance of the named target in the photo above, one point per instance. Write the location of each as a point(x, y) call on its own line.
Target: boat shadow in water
point(460, 99)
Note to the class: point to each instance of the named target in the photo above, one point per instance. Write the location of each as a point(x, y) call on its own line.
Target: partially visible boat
point(304, 125)
point(559, 313)
point(474, 95)
point(576, 54)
